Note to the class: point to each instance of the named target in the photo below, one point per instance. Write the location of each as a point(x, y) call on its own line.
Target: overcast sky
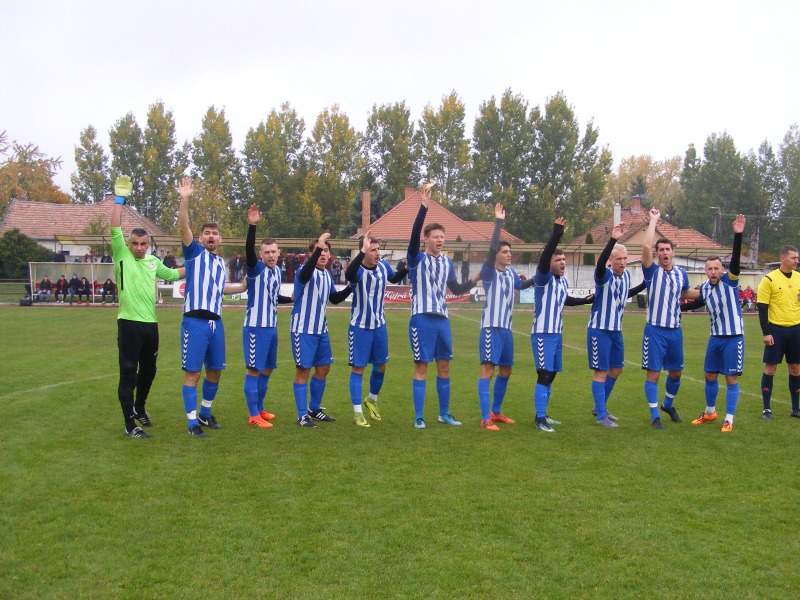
point(654, 77)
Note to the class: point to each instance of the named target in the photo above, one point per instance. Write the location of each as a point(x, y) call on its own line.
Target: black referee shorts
point(787, 343)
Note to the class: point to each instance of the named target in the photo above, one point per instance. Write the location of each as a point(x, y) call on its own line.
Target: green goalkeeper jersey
point(136, 280)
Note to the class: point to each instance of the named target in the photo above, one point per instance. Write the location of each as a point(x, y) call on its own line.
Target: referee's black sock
point(766, 389)
point(794, 391)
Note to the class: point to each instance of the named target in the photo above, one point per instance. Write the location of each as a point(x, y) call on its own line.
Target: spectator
point(74, 284)
point(464, 270)
point(45, 289)
point(295, 266)
point(169, 260)
point(336, 270)
point(109, 287)
point(237, 263)
point(62, 287)
point(106, 258)
point(85, 287)
point(748, 296)
point(59, 257)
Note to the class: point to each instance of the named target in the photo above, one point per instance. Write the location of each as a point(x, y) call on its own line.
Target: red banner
point(402, 294)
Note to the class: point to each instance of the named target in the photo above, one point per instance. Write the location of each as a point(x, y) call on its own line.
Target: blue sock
point(609, 386)
point(376, 381)
point(443, 391)
point(301, 398)
point(209, 393)
point(500, 386)
point(317, 387)
point(794, 391)
point(766, 389)
point(732, 398)
point(651, 393)
point(418, 388)
point(251, 394)
point(263, 384)
point(671, 387)
point(356, 381)
point(599, 394)
point(483, 397)
point(540, 396)
point(190, 404)
point(712, 389)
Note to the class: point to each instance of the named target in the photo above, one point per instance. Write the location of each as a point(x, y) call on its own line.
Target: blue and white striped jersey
point(610, 296)
point(366, 311)
point(722, 304)
point(499, 287)
point(429, 278)
point(311, 303)
point(205, 279)
point(549, 294)
point(263, 287)
point(664, 295)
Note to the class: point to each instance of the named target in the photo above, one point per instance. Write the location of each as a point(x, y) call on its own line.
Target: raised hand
point(323, 239)
point(499, 212)
point(123, 187)
point(253, 214)
point(366, 242)
point(426, 193)
point(738, 224)
point(654, 214)
point(616, 233)
point(186, 188)
point(563, 222)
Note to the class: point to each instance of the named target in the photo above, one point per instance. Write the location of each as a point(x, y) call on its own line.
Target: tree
point(92, 176)
point(16, 251)
point(789, 166)
point(100, 225)
point(26, 172)
point(657, 181)
point(214, 158)
point(442, 150)
point(126, 141)
point(159, 200)
point(502, 142)
point(335, 165)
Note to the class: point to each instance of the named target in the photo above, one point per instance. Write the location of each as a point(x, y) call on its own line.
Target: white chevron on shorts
point(252, 351)
point(595, 357)
point(645, 352)
point(415, 343)
point(184, 347)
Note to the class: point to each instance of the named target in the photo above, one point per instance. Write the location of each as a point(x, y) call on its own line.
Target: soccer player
point(604, 343)
point(366, 337)
point(778, 302)
point(311, 345)
point(496, 343)
point(662, 342)
point(260, 331)
point(429, 328)
point(550, 297)
point(202, 330)
point(725, 351)
point(137, 327)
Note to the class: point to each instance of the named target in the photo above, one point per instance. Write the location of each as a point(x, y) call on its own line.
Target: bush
point(16, 251)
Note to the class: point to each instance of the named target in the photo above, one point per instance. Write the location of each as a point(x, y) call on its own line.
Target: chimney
point(617, 213)
point(408, 191)
point(636, 204)
point(366, 201)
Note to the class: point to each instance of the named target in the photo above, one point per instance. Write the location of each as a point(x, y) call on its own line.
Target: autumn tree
point(92, 176)
point(26, 172)
point(655, 181)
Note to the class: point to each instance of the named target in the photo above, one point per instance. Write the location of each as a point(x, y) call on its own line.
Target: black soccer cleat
point(138, 432)
point(318, 415)
point(767, 414)
point(197, 431)
point(144, 419)
point(796, 413)
point(305, 421)
point(673, 414)
point(209, 421)
point(657, 424)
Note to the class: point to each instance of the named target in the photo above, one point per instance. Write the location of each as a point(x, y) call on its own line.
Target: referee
point(137, 329)
point(779, 316)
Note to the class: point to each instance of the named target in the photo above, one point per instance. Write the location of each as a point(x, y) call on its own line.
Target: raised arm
point(547, 252)
point(500, 216)
point(352, 269)
point(253, 217)
point(600, 269)
point(185, 189)
point(122, 189)
point(649, 238)
point(311, 262)
point(416, 229)
point(738, 229)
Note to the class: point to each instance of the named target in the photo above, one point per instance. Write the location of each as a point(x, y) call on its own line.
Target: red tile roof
point(43, 220)
point(396, 224)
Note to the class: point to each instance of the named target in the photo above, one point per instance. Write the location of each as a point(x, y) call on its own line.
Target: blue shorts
point(430, 338)
point(202, 342)
point(606, 349)
point(547, 351)
point(311, 349)
point(787, 343)
point(725, 355)
point(367, 346)
point(496, 346)
point(260, 347)
point(662, 348)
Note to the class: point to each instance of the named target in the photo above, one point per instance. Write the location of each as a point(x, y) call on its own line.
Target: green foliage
point(26, 172)
point(100, 225)
point(16, 251)
point(213, 155)
point(91, 178)
point(159, 202)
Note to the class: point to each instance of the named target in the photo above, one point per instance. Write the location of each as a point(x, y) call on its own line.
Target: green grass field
point(390, 511)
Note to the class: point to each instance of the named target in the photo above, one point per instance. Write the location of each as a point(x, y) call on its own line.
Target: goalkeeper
point(136, 272)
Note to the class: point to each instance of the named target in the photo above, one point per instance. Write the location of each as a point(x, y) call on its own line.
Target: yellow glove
point(123, 187)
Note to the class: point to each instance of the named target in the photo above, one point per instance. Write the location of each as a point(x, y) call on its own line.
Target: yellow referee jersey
point(782, 294)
